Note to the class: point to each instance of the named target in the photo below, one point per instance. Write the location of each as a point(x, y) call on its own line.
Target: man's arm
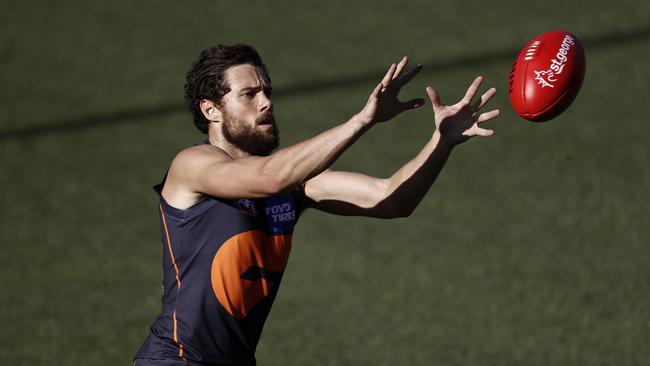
point(347, 193)
point(207, 170)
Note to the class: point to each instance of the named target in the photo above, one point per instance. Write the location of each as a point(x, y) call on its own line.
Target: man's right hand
point(383, 104)
point(459, 122)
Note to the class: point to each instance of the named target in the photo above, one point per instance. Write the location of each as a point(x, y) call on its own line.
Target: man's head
point(230, 87)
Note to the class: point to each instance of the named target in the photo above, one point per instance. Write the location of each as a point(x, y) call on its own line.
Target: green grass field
point(533, 248)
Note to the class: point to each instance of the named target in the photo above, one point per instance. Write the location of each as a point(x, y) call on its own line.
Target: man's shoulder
point(199, 155)
point(182, 184)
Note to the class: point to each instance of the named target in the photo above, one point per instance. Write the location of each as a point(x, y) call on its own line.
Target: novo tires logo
point(549, 76)
point(281, 213)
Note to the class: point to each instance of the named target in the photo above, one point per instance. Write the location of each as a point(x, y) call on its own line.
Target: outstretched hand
point(459, 122)
point(383, 104)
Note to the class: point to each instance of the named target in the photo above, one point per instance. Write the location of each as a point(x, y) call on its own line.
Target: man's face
point(248, 121)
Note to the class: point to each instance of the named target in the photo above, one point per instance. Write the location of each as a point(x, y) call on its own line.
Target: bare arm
point(207, 170)
point(348, 193)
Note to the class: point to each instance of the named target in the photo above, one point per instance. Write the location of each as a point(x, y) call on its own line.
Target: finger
point(477, 131)
point(471, 91)
point(483, 132)
point(413, 103)
point(406, 77)
point(400, 67)
point(484, 99)
point(488, 116)
point(435, 99)
point(375, 93)
point(389, 75)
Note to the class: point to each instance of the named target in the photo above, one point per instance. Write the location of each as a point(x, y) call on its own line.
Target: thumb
point(435, 99)
point(413, 103)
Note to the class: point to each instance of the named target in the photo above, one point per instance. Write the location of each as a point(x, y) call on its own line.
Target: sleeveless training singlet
point(223, 261)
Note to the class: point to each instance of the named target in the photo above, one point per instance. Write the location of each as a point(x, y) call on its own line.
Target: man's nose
point(266, 104)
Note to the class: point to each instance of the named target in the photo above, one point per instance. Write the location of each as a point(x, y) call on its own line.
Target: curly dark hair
point(205, 78)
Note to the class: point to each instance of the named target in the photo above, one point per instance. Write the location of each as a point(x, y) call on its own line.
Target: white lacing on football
point(531, 51)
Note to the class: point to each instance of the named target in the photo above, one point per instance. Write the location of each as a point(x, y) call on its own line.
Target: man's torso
point(223, 262)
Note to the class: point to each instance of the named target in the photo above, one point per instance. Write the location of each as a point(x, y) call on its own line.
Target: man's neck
point(216, 139)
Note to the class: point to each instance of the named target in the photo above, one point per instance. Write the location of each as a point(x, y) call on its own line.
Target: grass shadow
point(433, 66)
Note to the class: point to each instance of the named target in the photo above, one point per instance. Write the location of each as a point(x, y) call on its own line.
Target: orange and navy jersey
point(223, 261)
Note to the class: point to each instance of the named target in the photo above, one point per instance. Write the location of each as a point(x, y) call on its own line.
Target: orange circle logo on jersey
point(247, 267)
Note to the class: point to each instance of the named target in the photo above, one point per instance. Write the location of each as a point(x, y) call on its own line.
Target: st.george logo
point(546, 78)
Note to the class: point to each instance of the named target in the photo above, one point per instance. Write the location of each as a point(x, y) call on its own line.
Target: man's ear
point(210, 111)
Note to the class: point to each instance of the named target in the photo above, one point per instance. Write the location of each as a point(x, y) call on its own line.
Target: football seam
point(551, 105)
point(523, 92)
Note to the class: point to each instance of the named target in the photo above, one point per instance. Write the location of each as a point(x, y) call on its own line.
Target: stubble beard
point(248, 138)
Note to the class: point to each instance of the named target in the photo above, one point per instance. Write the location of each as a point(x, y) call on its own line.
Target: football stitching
point(532, 50)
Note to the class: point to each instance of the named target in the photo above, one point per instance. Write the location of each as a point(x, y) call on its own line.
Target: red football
point(547, 75)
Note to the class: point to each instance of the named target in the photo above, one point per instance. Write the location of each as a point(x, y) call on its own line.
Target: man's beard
point(248, 138)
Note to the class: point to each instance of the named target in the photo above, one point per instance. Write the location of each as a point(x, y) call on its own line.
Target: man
point(228, 206)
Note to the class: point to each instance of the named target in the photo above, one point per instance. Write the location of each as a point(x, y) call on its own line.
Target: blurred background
point(531, 249)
